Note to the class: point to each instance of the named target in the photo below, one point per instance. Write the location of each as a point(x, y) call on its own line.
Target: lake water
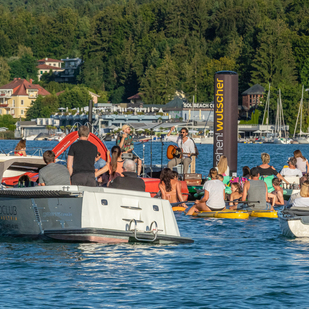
point(231, 264)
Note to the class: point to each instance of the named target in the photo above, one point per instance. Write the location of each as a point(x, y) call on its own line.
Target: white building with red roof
point(17, 96)
point(47, 64)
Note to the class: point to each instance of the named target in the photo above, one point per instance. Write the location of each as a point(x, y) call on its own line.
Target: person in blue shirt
point(99, 162)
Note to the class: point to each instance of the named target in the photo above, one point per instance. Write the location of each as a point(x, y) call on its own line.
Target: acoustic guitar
point(173, 152)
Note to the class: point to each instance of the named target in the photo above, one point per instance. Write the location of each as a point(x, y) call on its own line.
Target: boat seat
point(178, 168)
point(292, 180)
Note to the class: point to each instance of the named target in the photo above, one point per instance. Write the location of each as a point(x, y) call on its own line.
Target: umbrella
point(257, 131)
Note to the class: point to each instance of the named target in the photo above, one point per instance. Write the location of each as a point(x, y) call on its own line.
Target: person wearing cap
point(291, 170)
point(125, 142)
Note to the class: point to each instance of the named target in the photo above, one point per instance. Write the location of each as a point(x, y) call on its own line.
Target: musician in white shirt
point(187, 148)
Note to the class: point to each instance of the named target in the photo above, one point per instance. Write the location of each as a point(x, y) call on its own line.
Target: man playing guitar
point(187, 148)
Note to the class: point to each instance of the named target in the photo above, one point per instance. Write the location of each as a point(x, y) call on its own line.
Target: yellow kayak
point(179, 208)
point(264, 213)
point(229, 214)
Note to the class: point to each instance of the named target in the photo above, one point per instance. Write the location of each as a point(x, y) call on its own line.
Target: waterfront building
point(17, 96)
point(47, 64)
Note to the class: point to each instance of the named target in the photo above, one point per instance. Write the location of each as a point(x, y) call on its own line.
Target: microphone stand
point(162, 145)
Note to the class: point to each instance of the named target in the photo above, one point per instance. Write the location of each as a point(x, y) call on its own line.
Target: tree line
point(160, 46)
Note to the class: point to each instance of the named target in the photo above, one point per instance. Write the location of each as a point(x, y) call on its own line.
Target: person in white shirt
point(187, 148)
point(291, 170)
point(214, 195)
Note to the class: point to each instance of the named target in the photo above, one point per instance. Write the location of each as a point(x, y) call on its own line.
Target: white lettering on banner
point(198, 105)
point(219, 144)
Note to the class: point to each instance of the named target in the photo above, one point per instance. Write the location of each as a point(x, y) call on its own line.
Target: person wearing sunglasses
point(186, 146)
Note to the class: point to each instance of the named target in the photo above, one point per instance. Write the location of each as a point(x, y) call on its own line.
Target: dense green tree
point(43, 107)
point(75, 97)
point(25, 67)
point(274, 62)
point(4, 72)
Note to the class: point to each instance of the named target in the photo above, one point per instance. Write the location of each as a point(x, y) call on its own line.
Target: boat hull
point(85, 214)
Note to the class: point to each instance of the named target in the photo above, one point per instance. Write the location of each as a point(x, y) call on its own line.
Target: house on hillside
point(136, 99)
point(72, 68)
point(17, 96)
point(47, 64)
point(251, 97)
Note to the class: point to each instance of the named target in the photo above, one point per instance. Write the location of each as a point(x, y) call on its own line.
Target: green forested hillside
point(157, 47)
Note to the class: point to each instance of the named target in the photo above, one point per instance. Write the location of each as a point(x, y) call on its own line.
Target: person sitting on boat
point(99, 162)
point(277, 193)
point(223, 167)
point(303, 200)
point(257, 192)
point(214, 195)
point(185, 144)
point(170, 187)
point(291, 170)
point(115, 167)
point(236, 195)
point(246, 172)
point(267, 170)
point(20, 149)
point(81, 160)
point(294, 196)
point(301, 162)
point(130, 180)
point(53, 174)
point(125, 142)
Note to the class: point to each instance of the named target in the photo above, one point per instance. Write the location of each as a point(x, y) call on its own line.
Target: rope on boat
point(35, 193)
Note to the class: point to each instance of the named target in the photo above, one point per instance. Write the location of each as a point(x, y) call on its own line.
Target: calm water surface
point(232, 264)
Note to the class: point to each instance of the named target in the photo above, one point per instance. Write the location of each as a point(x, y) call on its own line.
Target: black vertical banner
point(226, 118)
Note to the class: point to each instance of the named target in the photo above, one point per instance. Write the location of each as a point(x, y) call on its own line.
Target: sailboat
point(280, 125)
point(266, 119)
point(301, 139)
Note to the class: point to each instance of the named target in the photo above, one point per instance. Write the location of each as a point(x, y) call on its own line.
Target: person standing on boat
point(187, 148)
point(81, 159)
point(301, 162)
point(53, 174)
point(125, 142)
point(257, 192)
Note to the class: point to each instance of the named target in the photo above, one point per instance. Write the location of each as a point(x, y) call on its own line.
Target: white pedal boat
point(294, 222)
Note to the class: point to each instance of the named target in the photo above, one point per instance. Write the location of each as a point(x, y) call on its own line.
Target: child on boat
point(277, 194)
point(236, 195)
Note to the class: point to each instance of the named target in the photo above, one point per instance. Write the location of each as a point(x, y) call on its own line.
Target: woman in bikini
point(170, 187)
point(20, 149)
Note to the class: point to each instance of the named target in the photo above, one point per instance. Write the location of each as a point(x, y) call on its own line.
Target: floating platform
point(228, 214)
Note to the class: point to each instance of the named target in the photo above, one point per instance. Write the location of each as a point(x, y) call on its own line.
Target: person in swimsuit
point(20, 149)
point(170, 187)
point(266, 170)
point(236, 195)
point(213, 199)
point(277, 193)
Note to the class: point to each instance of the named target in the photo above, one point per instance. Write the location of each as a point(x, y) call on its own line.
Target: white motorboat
point(294, 222)
point(282, 140)
point(82, 214)
point(204, 140)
